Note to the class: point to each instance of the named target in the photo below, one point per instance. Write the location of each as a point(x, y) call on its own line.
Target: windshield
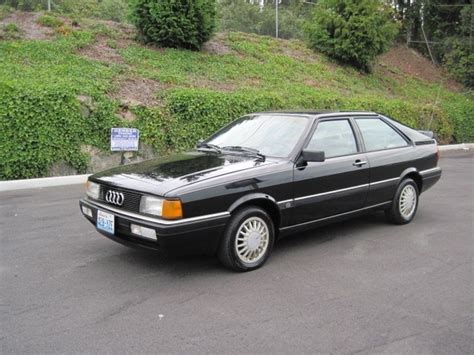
point(273, 135)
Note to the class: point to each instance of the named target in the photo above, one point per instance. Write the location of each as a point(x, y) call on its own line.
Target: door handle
point(359, 163)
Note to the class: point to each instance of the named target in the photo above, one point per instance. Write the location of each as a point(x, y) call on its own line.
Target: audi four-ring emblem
point(114, 197)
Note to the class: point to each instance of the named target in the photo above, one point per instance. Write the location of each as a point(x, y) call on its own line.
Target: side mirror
point(313, 156)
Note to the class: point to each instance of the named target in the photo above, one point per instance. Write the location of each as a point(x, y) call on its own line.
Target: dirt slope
point(403, 60)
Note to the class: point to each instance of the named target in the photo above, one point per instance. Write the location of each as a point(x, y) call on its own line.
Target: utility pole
point(472, 26)
point(276, 18)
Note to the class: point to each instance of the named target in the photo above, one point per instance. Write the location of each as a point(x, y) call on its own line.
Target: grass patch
point(50, 21)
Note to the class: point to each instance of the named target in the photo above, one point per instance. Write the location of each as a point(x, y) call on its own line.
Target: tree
point(258, 16)
point(352, 31)
point(448, 27)
point(175, 23)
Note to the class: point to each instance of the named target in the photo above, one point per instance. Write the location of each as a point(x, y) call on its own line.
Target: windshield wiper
point(209, 146)
point(238, 148)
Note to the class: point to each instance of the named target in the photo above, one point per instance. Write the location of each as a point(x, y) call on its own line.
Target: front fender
point(253, 197)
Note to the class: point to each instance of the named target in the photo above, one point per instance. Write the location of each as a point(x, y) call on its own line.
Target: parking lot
point(359, 286)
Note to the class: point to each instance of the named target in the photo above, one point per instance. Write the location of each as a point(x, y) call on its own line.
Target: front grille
point(131, 200)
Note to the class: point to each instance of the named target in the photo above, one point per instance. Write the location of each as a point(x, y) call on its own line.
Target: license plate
point(105, 222)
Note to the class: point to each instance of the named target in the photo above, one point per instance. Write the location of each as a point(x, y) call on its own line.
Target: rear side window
point(334, 138)
point(378, 135)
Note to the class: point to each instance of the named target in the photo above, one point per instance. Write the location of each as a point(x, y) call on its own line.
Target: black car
point(264, 176)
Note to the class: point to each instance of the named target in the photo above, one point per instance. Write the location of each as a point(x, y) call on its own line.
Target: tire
point(405, 203)
point(250, 231)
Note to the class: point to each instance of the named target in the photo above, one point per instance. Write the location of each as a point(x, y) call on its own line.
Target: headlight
point(92, 190)
point(169, 209)
point(151, 205)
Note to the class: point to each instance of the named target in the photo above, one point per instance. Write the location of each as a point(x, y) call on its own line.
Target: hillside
point(63, 85)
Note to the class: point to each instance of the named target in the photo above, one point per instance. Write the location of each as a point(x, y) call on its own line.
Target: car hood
point(162, 175)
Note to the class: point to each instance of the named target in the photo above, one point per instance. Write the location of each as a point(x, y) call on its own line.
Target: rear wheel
point(248, 240)
point(405, 203)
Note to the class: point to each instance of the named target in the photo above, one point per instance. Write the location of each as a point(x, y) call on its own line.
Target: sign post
point(124, 140)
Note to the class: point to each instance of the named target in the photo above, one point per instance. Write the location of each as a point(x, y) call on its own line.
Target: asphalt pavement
point(361, 286)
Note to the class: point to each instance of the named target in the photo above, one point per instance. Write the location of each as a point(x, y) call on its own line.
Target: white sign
point(124, 139)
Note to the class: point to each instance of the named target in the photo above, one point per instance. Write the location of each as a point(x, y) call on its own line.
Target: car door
point(337, 185)
point(389, 154)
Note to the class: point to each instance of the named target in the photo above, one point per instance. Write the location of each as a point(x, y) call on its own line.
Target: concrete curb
point(81, 179)
point(454, 147)
point(43, 182)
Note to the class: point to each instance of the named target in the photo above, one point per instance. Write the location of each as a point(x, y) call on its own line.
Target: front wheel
point(405, 203)
point(248, 240)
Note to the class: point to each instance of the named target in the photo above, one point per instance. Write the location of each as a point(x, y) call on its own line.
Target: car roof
point(316, 113)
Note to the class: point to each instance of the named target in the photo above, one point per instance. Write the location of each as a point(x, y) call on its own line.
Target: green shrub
point(459, 59)
point(36, 130)
point(154, 127)
point(352, 31)
point(41, 127)
point(460, 111)
point(10, 31)
point(11, 28)
point(194, 114)
point(50, 21)
point(458, 54)
point(176, 24)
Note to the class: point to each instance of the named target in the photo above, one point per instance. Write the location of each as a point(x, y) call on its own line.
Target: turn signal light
point(172, 209)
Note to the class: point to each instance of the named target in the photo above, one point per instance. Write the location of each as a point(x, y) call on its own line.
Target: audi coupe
point(262, 177)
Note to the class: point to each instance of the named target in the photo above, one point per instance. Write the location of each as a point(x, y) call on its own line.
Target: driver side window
point(335, 138)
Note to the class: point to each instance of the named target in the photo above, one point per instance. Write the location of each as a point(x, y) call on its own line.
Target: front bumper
point(188, 235)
